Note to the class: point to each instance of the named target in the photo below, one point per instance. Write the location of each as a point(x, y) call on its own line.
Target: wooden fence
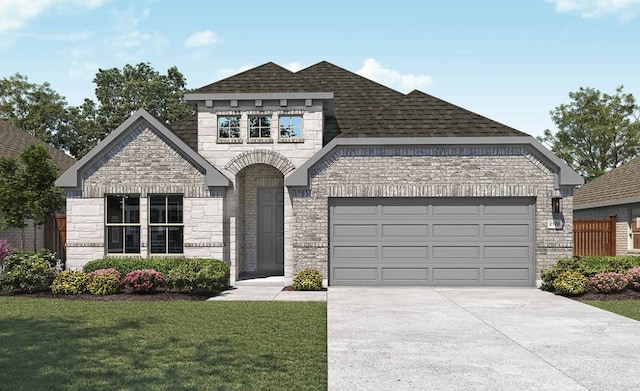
point(594, 236)
point(55, 235)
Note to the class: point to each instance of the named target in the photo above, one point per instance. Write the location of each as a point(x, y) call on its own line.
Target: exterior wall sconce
point(556, 205)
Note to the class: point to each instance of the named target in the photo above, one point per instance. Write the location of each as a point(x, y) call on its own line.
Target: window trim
point(634, 229)
point(123, 225)
point(165, 224)
point(260, 129)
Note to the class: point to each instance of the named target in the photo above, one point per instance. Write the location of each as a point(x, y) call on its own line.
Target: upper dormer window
point(260, 126)
point(228, 127)
point(290, 126)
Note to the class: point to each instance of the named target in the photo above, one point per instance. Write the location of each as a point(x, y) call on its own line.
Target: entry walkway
point(267, 289)
point(476, 339)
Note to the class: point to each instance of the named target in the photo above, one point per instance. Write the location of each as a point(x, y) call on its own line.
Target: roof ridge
point(324, 62)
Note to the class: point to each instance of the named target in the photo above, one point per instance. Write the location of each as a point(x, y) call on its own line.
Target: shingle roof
point(187, 130)
point(619, 184)
point(268, 77)
point(421, 115)
point(15, 141)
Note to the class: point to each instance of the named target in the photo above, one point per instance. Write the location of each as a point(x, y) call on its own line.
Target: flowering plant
point(143, 281)
point(5, 249)
point(609, 282)
point(634, 281)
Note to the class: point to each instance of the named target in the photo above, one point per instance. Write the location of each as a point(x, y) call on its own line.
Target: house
point(324, 169)
point(13, 142)
point(615, 193)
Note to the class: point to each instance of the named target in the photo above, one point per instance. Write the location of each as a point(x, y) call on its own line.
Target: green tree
point(596, 132)
point(27, 190)
point(35, 108)
point(80, 130)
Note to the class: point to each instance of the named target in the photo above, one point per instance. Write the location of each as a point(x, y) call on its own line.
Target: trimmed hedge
point(307, 280)
point(189, 275)
point(70, 282)
point(587, 267)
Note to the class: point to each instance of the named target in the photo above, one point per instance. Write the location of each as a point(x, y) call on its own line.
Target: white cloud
point(294, 66)
point(129, 40)
point(202, 38)
point(226, 72)
point(83, 70)
point(588, 9)
point(14, 14)
point(373, 70)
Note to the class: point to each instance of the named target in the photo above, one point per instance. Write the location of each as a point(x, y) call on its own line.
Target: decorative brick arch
point(260, 156)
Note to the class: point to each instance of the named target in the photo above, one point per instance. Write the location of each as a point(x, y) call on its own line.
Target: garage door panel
point(355, 231)
point(456, 210)
point(512, 231)
point(506, 253)
point(448, 252)
point(405, 232)
point(359, 254)
point(456, 274)
point(503, 274)
point(346, 211)
point(456, 231)
point(355, 274)
point(506, 210)
point(405, 274)
point(405, 210)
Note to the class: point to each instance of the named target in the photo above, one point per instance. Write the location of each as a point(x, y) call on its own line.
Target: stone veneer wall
point(425, 171)
point(623, 220)
point(251, 178)
point(143, 163)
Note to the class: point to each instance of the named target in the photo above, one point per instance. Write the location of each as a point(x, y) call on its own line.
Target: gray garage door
point(450, 241)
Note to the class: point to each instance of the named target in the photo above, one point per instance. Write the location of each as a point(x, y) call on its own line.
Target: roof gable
point(618, 186)
point(71, 178)
point(422, 115)
point(15, 141)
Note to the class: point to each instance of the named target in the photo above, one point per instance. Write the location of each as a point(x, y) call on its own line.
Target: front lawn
point(628, 308)
point(57, 344)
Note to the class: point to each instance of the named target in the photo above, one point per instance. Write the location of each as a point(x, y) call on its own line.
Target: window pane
point(157, 209)
point(175, 240)
point(132, 210)
point(254, 132)
point(132, 237)
point(174, 209)
point(115, 240)
point(290, 126)
point(114, 209)
point(158, 239)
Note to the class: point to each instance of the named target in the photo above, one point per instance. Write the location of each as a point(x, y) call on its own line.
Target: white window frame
point(634, 226)
point(260, 128)
point(165, 224)
point(280, 117)
point(219, 127)
point(122, 225)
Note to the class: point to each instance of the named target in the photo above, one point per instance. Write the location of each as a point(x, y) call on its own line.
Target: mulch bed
point(157, 296)
point(626, 294)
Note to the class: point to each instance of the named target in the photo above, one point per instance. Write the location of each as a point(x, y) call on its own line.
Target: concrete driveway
point(476, 339)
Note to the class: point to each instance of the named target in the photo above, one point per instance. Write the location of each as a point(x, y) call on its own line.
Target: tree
point(120, 93)
point(597, 132)
point(27, 190)
point(35, 108)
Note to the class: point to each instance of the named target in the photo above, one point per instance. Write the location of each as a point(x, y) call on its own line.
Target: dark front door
point(271, 230)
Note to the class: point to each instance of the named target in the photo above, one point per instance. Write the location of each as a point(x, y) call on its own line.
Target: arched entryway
point(260, 219)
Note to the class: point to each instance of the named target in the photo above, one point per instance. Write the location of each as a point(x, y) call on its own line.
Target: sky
point(512, 61)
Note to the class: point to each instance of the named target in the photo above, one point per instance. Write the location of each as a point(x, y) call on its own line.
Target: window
point(165, 224)
point(635, 229)
point(122, 224)
point(259, 127)
point(290, 126)
point(228, 127)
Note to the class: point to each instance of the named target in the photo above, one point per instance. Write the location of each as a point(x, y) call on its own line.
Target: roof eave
point(603, 204)
point(204, 96)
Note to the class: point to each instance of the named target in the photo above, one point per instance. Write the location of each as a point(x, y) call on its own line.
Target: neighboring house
point(615, 193)
point(325, 169)
point(13, 142)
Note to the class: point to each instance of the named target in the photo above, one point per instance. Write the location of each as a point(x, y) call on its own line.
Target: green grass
point(628, 308)
point(57, 344)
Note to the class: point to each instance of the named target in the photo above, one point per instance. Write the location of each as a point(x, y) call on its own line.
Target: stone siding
point(426, 172)
point(623, 228)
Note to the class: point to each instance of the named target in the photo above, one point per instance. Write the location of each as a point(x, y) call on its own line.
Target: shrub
point(70, 282)
point(588, 267)
point(634, 281)
point(570, 283)
point(307, 280)
point(106, 271)
point(5, 250)
point(27, 271)
point(608, 282)
point(127, 265)
point(143, 281)
point(103, 284)
point(199, 275)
